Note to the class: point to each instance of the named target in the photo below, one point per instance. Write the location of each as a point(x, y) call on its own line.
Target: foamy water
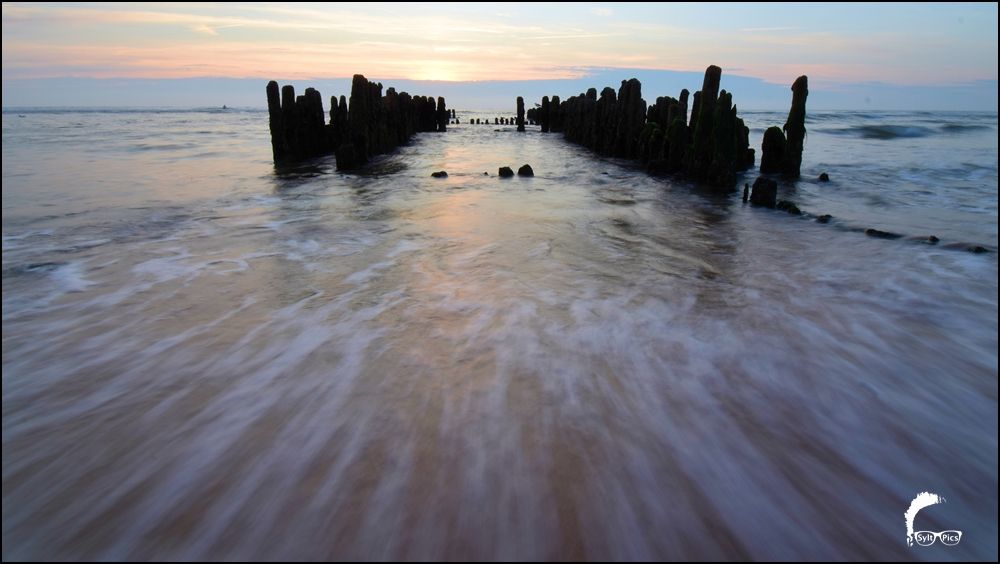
point(207, 358)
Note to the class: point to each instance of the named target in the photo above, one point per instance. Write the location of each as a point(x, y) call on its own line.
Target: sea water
point(206, 357)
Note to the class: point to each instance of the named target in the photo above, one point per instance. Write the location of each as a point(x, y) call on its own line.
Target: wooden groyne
point(712, 147)
point(781, 151)
point(373, 124)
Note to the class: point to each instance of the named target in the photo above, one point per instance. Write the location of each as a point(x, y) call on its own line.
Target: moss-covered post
point(700, 160)
point(722, 171)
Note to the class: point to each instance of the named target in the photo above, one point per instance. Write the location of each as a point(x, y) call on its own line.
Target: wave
point(963, 127)
point(31, 268)
point(889, 131)
point(881, 131)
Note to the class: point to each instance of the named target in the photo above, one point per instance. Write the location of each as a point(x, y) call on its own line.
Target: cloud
point(769, 28)
point(575, 36)
point(202, 28)
point(210, 30)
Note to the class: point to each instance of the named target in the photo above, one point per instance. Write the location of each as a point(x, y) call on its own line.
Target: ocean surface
point(205, 357)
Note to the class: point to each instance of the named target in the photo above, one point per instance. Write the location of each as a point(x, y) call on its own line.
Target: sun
point(434, 71)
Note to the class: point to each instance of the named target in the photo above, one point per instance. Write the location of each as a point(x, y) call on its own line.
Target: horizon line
point(813, 83)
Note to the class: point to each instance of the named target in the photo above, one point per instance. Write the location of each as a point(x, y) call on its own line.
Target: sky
point(911, 56)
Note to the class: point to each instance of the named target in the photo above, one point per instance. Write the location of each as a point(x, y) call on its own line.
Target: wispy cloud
point(210, 30)
point(770, 28)
point(575, 36)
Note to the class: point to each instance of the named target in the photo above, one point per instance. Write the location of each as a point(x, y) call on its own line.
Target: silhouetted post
point(683, 101)
point(695, 108)
point(713, 147)
point(795, 128)
point(555, 115)
point(544, 114)
point(372, 125)
point(442, 121)
point(772, 150)
point(630, 116)
point(722, 172)
point(701, 158)
point(744, 153)
point(358, 121)
point(279, 148)
point(520, 113)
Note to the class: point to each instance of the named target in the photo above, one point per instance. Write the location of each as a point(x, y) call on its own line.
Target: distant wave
point(882, 131)
point(823, 116)
point(963, 127)
point(904, 131)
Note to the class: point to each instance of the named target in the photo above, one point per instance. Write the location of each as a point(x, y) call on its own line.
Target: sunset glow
point(926, 45)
